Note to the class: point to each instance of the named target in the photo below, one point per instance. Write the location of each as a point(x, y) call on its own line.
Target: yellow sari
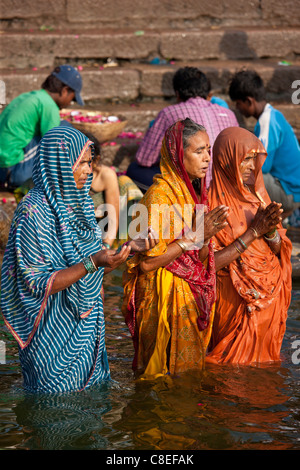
point(160, 307)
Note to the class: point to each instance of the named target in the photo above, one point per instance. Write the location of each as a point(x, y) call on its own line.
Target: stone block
point(146, 14)
point(230, 44)
point(111, 84)
point(278, 13)
point(26, 9)
point(100, 85)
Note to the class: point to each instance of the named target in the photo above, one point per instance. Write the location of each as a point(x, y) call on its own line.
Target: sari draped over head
point(254, 291)
point(60, 336)
point(174, 303)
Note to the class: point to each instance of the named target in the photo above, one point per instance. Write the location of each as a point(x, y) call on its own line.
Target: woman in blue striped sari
point(53, 269)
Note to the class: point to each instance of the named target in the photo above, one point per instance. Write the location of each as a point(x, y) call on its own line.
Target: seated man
point(28, 117)
point(281, 169)
point(192, 89)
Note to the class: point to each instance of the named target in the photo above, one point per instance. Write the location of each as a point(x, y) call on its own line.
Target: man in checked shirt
point(192, 90)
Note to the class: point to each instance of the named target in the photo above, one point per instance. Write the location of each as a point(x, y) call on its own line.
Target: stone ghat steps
point(137, 80)
point(23, 48)
point(140, 14)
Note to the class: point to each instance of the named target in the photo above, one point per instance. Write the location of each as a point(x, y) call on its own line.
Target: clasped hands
point(267, 218)
point(204, 226)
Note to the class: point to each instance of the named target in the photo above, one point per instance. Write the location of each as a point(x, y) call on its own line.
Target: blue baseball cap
point(70, 77)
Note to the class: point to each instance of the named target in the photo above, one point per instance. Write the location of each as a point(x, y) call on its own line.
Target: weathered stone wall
point(186, 14)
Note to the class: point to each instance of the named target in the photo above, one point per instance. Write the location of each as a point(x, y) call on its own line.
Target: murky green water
point(226, 407)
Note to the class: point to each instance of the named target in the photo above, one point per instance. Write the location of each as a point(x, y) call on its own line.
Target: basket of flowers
point(104, 126)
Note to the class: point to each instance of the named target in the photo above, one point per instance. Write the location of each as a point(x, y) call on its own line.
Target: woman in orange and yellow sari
point(252, 256)
point(169, 292)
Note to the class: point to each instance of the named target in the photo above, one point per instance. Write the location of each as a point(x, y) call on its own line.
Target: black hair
point(97, 147)
point(190, 128)
point(54, 84)
point(247, 83)
point(190, 82)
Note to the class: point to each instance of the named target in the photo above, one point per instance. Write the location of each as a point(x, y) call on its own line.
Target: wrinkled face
point(247, 166)
point(197, 155)
point(84, 169)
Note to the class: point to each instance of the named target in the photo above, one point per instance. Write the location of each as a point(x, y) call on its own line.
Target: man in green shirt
point(28, 117)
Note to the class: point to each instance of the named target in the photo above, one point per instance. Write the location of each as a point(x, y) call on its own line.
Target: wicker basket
point(103, 131)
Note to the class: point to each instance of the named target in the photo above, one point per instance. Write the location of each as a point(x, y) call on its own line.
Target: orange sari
point(253, 292)
point(169, 311)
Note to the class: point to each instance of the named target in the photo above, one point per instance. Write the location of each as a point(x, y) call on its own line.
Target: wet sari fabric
point(253, 292)
point(169, 311)
point(60, 336)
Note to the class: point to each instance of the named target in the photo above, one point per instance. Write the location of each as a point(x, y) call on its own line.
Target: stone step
point(129, 82)
point(187, 14)
point(21, 49)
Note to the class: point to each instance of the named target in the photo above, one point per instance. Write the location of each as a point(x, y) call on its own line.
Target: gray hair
point(190, 128)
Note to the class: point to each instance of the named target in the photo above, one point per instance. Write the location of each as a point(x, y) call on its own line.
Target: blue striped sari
point(60, 336)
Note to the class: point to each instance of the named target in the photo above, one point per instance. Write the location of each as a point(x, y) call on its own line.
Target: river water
point(224, 408)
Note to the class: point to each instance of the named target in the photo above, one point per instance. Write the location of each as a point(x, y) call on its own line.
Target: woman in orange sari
point(252, 256)
point(169, 292)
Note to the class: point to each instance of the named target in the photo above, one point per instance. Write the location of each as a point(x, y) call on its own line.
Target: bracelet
point(237, 249)
point(183, 245)
point(89, 264)
point(270, 233)
point(106, 245)
point(93, 262)
point(276, 239)
point(271, 238)
point(254, 231)
point(242, 243)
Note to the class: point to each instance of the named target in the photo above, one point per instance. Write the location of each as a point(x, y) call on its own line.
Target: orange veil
point(254, 292)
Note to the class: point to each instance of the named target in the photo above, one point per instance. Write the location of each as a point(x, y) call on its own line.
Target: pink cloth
point(213, 117)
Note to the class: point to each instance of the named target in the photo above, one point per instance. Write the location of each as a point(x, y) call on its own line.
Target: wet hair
point(190, 82)
point(97, 148)
point(54, 84)
point(247, 83)
point(190, 128)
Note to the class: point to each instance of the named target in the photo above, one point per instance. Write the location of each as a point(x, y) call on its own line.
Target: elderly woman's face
point(84, 169)
point(197, 155)
point(247, 166)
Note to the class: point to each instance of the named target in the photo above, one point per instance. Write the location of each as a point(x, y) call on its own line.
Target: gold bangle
point(254, 231)
point(276, 239)
point(271, 238)
point(184, 246)
point(237, 249)
point(93, 262)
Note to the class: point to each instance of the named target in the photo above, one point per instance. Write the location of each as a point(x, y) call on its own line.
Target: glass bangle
point(242, 243)
point(89, 265)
